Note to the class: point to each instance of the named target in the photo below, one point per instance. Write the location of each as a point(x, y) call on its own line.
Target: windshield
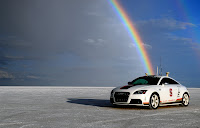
point(146, 80)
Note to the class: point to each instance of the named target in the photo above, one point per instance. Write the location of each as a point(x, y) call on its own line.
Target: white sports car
point(152, 91)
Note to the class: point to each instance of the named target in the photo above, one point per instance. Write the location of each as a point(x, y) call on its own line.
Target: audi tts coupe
point(152, 91)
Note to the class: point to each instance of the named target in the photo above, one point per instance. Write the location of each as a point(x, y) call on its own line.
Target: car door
point(169, 90)
point(175, 89)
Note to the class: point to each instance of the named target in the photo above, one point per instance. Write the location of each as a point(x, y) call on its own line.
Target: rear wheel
point(154, 101)
point(185, 100)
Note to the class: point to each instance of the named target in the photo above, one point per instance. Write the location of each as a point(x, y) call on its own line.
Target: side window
point(172, 81)
point(164, 81)
point(167, 81)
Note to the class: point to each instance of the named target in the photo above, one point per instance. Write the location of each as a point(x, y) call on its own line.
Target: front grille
point(136, 101)
point(121, 96)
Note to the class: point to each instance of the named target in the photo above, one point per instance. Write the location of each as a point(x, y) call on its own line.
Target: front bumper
point(132, 99)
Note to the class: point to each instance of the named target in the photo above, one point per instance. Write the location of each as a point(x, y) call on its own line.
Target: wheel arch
point(187, 93)
point(185, 102)
point(150, 104)
point(151, 92)
point(156, 93)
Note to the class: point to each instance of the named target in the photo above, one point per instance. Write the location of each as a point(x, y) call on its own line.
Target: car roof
point(160, 77)
point(157, 76)
point(153, 76)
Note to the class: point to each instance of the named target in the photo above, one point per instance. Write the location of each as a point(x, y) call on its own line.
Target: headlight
point(140, 92)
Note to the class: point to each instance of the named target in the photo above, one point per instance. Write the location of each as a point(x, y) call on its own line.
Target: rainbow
point(134, 35)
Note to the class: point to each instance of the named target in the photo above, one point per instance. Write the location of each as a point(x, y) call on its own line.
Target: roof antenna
point(157, 71)
point(160, 68)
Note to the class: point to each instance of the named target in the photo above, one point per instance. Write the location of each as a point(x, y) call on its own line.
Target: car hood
point(131, 88)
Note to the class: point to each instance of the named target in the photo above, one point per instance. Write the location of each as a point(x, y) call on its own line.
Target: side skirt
point(166, 104)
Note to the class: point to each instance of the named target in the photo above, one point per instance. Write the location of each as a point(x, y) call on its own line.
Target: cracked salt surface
point(87, 107)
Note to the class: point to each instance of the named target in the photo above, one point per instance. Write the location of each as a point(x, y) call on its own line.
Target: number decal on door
point(170, 92)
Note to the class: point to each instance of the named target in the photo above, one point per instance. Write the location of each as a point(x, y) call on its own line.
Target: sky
point(85, 43)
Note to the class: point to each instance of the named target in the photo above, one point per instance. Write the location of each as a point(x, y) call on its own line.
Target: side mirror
point(129, 83)
point(163, 84)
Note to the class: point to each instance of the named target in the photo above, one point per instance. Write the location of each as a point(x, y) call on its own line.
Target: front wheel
point(185, 101)
point(154, 101)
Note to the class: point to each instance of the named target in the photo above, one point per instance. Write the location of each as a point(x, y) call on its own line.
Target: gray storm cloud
point(61, 41)
point(84, 42)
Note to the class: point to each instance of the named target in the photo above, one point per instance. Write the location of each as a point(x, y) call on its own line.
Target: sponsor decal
point(170, 92)
point(179, 99)
point(171, 100)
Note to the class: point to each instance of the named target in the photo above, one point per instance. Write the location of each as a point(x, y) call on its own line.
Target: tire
point(185, 100)
point(154, 101)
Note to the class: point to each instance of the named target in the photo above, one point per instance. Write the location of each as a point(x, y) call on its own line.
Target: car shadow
point(106, 103)
point(90, 102)
point(102, 103)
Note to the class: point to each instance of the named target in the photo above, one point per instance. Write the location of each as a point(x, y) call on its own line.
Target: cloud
point(16, 49)
point(163, 34)
point(128, 58)
point(32, 77)
point(166, 23)
point(91, 41)
point(179, 39)
point(63, 34)
point(6, 75)
point(132, 45)
point(57, 30)
point(92, 13)
point(5, 59)
point(147, 45)
point(195, 46)
point(97, 42)
point(12, 42)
